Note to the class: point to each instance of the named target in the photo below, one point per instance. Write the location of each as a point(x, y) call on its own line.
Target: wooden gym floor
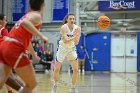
point(91, 82)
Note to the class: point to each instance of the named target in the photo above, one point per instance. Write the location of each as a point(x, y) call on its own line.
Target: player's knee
point(32, 85)
point(1, 84)
point(2, 80)
point(0, 87)
point(56, 70)
point(75, 70)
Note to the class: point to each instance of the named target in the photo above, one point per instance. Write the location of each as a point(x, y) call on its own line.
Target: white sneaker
point(83, 70)
point(46, 71)
point(54, 88)
point(73, 90)
point(79, 70)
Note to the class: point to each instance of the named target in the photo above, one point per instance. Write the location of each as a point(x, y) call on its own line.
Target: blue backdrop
point(112, 5)
point(138, 49)
point(60, 9)
point(19, 8)
point(100, 42)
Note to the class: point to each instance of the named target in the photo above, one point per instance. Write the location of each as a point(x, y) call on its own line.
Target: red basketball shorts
point(13, 54)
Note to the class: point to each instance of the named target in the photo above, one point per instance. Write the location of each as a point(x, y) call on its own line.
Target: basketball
point(103, 22)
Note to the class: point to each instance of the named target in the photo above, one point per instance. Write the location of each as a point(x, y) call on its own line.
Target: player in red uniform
point(12, 81)
point(3, 30)
point(13, 48)
point(3, 33)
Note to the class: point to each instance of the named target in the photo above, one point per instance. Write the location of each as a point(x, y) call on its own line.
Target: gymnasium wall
point(0, 6)
point(47, 15)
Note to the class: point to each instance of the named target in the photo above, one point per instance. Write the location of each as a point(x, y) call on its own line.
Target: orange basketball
point(103, 22)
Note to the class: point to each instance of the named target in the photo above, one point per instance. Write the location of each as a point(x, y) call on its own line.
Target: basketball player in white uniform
point(70, 35)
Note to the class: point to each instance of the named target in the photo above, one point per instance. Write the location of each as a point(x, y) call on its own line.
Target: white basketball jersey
point(69, 34)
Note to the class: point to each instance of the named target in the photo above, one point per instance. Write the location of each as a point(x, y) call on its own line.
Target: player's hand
point(44, 39)
point(36, 59)
point(76, 33)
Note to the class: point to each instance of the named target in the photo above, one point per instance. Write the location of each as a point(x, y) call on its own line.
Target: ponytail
point(65, 20)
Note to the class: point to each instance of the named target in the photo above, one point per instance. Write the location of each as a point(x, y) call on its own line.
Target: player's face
point(71, 19)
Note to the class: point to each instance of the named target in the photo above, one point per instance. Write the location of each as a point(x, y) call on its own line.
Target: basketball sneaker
point(54, 88)
point(73, 90)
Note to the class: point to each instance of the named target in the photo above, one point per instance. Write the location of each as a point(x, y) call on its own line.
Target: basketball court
point(111, 43)
point(91, 83)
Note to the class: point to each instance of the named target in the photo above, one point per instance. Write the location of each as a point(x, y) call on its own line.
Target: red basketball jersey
point(22, 35)
point(3, 32)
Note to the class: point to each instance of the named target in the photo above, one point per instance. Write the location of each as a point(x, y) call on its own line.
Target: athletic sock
point(21, 89)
